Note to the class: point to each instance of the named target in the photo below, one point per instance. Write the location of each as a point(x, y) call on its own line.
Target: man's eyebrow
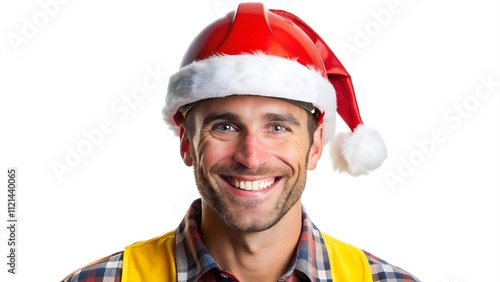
point(269, 117)
point(287, 118)
point(209, 118)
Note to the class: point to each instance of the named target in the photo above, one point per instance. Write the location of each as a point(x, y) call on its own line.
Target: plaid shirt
point(194, 263)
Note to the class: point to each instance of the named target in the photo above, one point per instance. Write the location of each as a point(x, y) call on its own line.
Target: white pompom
point(358, 152)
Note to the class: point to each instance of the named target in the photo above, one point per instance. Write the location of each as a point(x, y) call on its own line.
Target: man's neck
point(256, 256)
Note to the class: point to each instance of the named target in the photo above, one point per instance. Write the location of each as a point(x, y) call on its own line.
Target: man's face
point(250, 156)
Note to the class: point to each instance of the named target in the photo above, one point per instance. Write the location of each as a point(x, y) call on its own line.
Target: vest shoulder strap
point(152, 260)
point(347, 262)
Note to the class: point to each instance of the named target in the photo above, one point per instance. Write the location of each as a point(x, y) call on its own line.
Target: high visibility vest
point(154, 261)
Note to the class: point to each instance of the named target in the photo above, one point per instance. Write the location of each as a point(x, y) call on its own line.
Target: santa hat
point(273, 53)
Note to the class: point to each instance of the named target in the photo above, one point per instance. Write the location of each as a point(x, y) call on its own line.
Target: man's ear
point(316, 147)
point(184, 147)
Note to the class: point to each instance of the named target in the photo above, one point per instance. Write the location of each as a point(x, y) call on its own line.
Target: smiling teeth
point(252, 185)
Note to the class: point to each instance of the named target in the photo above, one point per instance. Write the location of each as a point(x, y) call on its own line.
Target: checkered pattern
point(108, 269)
point(194, 263)
point(385, 272)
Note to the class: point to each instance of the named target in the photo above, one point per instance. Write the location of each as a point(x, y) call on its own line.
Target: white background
point(433, 208)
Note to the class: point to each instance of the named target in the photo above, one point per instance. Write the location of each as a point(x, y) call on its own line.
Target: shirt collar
point(193, 260)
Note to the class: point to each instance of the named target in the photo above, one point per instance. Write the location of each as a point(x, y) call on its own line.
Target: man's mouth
point(255, 185)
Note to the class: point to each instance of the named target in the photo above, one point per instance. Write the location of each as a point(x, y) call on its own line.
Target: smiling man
point(253, 104)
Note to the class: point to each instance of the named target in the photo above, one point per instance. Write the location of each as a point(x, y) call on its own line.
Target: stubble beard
point(218, 200)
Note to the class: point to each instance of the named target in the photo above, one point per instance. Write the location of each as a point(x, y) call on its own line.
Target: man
point(253, 104)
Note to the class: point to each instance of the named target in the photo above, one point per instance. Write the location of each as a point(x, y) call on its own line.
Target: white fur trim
point(358, 152)
point(250, 74)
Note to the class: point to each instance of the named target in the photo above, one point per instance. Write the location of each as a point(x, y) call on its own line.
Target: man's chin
point(251, 219)
point(253, 226)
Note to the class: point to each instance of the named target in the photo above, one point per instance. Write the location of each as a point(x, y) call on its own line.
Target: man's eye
point(278, 128)
point(223, 127)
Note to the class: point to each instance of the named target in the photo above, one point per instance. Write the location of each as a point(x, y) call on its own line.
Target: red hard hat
point(253, 28)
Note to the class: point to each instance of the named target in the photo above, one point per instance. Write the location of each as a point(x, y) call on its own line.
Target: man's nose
point(252, 151)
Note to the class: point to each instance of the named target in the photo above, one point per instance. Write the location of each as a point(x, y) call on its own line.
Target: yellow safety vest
point(154, 261)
